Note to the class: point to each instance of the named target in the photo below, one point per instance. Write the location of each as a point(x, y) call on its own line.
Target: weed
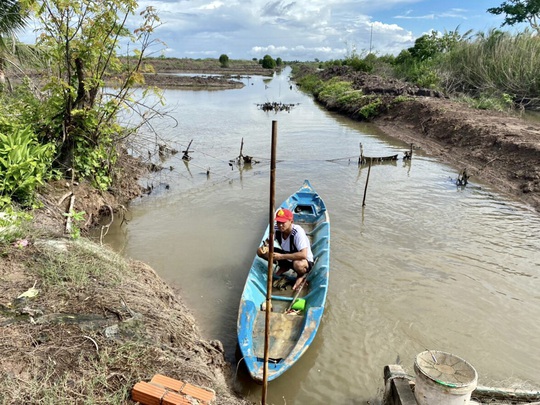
point(76, 217)
point(370, 110)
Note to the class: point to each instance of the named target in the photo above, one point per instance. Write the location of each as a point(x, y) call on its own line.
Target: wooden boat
point(290, 334)
point(364, 160)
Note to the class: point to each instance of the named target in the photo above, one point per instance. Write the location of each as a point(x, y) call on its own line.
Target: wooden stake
point(69, 219)
point(367, 181)
point(241, 147)
point(186, 152)
point(270, 260)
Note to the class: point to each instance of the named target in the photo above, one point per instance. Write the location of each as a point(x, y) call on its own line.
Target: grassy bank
point(80, 324)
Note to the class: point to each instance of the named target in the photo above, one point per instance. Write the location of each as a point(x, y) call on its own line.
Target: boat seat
point(281, 298)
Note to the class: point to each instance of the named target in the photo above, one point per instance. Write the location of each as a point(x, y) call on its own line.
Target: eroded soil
point(501, 149)
point(497, 148)
point(95, 327)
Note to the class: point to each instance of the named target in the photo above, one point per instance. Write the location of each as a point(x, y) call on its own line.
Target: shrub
point(25, 164)
point(333, 89)
point(310, 83)
point(371, 110)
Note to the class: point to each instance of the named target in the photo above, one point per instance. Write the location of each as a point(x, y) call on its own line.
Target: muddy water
point(423, 265)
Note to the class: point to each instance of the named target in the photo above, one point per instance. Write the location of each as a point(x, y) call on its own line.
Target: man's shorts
point(286, 265)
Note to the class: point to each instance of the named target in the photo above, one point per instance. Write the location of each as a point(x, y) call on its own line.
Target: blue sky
point(309, 29)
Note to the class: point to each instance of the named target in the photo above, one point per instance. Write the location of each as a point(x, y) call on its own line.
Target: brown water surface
point(424, 265)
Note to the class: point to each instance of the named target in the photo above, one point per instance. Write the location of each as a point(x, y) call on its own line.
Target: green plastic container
point(299, 304)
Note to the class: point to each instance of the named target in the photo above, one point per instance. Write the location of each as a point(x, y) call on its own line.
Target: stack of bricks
point(162, 390)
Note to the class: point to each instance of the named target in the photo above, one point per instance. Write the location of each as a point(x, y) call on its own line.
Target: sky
point(308, 29)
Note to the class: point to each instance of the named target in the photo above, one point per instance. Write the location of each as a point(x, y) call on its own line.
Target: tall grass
point(497, 64)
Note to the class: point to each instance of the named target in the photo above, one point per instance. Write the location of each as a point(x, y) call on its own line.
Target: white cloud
point(298, 29)
point(416, 17)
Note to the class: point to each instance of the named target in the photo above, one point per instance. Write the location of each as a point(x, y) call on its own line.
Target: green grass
point(75, 264)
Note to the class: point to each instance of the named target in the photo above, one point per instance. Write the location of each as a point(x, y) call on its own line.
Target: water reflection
point(424, 264)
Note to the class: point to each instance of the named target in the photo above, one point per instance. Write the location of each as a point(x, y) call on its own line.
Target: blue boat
point(291, 332)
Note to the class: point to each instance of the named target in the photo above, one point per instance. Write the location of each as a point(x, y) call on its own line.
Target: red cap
point(284, 215)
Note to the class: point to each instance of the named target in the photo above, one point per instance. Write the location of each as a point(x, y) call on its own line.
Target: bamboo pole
point(270, 260)
point(367, 181)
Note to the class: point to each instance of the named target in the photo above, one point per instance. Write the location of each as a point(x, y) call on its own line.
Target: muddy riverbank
point(500, 148)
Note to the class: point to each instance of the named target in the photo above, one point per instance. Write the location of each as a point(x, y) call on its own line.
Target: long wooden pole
point(270, 260)
point(367, 181)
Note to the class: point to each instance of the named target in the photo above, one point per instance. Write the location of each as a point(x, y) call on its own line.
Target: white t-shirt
point(301, 241)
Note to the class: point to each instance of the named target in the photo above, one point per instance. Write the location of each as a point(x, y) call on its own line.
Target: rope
point(230, 162)
point(345, 158)
point(268, 159)
point(237, 365)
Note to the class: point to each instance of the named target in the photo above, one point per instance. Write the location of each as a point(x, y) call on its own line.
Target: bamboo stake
point(270, 260)
point(69, 215)
point(361, 158)
point(367, 181)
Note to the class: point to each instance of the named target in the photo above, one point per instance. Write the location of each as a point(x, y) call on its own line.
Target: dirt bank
point(500, 149)
point(162, 80)
point(93, 324)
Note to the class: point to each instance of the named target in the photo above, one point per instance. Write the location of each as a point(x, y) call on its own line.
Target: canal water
point(425, 264)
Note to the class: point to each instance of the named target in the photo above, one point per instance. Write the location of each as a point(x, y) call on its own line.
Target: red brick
point(147, 394)
point(200, 393)
point(168, 382)
point(203, 395)
point(173, 398)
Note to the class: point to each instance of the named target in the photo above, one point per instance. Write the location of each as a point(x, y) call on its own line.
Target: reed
point(497, 64)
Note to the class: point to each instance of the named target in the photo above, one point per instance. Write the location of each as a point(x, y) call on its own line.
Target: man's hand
point(300, 281)
point(262, 251)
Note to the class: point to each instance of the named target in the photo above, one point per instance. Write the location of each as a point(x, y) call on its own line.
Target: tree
point(268, 62)
point(279, 62)
point(82, 39)
point(519, 11)
point(224, 61)
point(428, 46)
point(12, 18)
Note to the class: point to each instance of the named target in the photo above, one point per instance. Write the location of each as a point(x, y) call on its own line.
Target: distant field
point(235, 67)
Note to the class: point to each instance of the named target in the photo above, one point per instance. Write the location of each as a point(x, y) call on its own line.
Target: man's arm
point(262, 251)
point(301, 255)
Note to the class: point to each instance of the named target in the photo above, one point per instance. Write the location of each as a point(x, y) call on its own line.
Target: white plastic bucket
point(443, 378)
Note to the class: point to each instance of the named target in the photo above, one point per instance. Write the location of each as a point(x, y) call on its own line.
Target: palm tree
point(12, 18)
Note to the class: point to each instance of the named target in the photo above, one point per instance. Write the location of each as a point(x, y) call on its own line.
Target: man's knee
point(301, 266)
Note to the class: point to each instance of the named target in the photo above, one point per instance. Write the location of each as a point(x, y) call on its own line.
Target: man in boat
point(295, 252)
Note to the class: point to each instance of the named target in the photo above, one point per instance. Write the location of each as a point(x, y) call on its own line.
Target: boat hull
point(290, 333)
